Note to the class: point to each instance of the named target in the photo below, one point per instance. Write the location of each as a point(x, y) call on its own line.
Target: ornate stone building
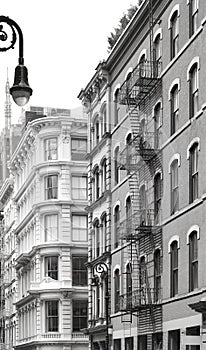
point(45, 235)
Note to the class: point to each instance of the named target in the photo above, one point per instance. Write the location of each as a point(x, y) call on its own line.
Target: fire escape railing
point(143, 147)
point(141, 81)
point(140, 223)
point(140, 298)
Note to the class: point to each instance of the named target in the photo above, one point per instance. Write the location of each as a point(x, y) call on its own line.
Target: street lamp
point(21, 90)
point(102, 268)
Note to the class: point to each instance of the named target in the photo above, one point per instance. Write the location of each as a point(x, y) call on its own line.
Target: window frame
point(48, 155)
point(51, 191)
point(79, 189)
point(79, 273)
point(47, 233)
point(157, 275)
point(193, 17)
point(116, 289)
point(116, 166)
point(116, 225)
point(48, 272)
point(174, 267)
point(76, 153)
point(193, 261)
point(174, 105)
point(79, 315)
point(48, 317)
point(193, 90)
point(75, 214)
point(174, 185)
point(193, 172)
point(174, 34)
point(157, 197)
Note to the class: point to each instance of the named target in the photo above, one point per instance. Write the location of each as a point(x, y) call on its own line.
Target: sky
point(64, 41)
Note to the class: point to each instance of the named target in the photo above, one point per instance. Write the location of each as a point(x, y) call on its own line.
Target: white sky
point(63, 43)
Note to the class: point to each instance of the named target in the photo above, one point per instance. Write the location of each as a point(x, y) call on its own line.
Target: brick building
point(146, 108)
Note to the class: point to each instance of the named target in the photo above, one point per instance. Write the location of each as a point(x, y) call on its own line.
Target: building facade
point(45, 235)
point(152, 84)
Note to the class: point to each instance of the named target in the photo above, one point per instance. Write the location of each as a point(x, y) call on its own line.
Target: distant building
point(9, 137)
point(45, 235)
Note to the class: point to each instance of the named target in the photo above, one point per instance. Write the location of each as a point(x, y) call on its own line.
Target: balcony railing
point(140, 298)
point(55, 336)
point(142, 80)
point(143, 147)
point(140, 223)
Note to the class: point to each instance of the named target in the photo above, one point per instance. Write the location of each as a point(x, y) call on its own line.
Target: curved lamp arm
point(21, 90)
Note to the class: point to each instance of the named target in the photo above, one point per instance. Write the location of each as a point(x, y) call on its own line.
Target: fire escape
point(141, 231)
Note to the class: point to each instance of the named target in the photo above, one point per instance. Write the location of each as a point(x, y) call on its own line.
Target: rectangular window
point(142, 342)
point(79, 187)
point(79, 271)
point(79, 227)
point(51, 187)
point(52, 316)
point(79, 315)
point(51, 267)
point(129, 343)
point(78, 149)
point(174, 339)
point(51, 227)
point(117, 344)
point(51, 149)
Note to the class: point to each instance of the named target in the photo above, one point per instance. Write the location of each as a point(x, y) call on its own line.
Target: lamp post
point(102, 268)
point(20, 90)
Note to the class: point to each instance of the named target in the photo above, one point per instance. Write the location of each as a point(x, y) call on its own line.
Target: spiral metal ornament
point(101, 268)
point(4, 35)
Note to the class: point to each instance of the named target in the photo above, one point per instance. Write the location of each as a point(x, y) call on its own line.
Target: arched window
point(174, 108)
point(104, 120)
point(193, 16)
point(157, 124)
point(193, 173)
point(193, 261)
point(157, 48)
point(173, 268)
point(116, 107)
point(116, 225)
point(157, 275)
point(97, 237)
point(96, 184)
point(104, 231)
point(129, 214)
point(193, 93)
point(104, 174)
point(116, 166)
point(157, 197)
point(142, 271)
point(116, 290)
point(142, 62)
point(129, 151)
point(174, 187)
point(129, 284)
point(174, 34)
point(142, 205)
point(96, 130)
